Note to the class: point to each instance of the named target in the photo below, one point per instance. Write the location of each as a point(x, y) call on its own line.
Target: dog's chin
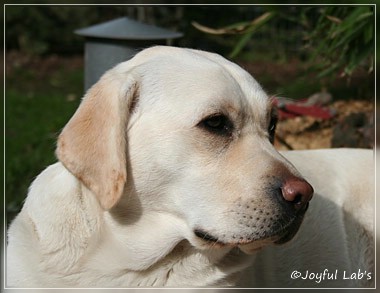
point(254, 246)
point(281, 237)
point(205, 240)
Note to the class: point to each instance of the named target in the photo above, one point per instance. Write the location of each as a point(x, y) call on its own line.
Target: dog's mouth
point(251, 243)
point(206, 237)
point(292, 229)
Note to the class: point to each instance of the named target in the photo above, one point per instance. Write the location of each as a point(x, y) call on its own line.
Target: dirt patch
point(43, 66)
point(352, 126)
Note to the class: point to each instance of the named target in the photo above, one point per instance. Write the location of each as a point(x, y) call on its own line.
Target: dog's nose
point(297, 192)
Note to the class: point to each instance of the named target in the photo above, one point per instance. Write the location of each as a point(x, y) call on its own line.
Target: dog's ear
point(92, 145)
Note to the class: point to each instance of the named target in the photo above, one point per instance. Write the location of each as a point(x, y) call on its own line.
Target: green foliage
point(337, 38)
point(253, 27)
point(343, 39)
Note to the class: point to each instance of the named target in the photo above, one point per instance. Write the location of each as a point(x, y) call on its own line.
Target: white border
point(3, 252)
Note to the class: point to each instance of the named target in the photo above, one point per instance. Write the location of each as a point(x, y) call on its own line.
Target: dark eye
point(272, 128)
point(218, 124)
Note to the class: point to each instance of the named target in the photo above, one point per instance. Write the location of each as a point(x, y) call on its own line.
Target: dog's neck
point(150, 250)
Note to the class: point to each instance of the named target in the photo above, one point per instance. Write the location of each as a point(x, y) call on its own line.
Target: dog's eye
point(218, 124)
point(272, 128)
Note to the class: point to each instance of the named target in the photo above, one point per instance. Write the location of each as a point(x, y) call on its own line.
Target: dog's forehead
point(191, 78)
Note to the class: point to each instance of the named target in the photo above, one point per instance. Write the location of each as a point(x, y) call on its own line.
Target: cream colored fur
point(137, 176)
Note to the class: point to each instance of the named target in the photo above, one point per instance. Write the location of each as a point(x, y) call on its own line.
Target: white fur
point(337, 233)
point(79, 229)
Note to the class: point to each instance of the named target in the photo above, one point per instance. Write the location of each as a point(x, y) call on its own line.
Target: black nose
point(297, 192)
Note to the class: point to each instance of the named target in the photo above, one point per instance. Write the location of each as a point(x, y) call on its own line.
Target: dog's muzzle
point(292, 197)
point(292, 229)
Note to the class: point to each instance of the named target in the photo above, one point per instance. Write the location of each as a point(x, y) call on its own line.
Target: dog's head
point(187, 133)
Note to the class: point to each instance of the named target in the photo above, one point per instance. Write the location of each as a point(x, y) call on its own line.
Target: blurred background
point(316, 62)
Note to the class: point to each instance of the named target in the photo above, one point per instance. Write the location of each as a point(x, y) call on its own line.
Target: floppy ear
point(92, 145)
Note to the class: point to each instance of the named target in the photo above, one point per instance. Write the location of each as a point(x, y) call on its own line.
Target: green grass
point(36, 111)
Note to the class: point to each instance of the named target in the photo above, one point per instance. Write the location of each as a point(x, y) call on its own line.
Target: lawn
point(39, 100)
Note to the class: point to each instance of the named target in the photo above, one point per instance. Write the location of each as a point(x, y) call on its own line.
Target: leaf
point(334, 19)
point(351, 20)
point(349, 36)
point(358, 58)
point(328, 70)
point(238, 28)
point(240, 44)
point(368, 34)
point(342, 38)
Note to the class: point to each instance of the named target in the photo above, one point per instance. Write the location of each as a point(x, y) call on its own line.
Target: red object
point(294, 109)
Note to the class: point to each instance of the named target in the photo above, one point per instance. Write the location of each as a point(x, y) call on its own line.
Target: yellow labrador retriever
point(167, 176)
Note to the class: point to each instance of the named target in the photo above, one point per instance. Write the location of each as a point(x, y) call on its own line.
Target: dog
point(167, 176)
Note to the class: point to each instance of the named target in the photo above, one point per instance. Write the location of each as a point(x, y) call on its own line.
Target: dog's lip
point(217, 243)
point(206, 236)
point(292, 228)
point(284, 235)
